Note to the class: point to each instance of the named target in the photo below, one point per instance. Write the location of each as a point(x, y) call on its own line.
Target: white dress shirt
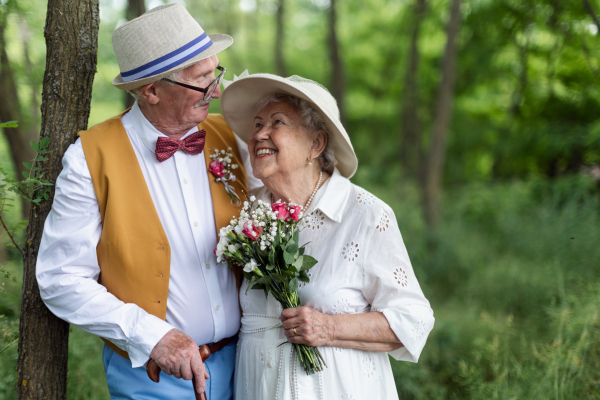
point(202, 300)
point(362, 266)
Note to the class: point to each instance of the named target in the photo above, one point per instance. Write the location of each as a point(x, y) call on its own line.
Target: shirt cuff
point(411, 332)
point(145, 336)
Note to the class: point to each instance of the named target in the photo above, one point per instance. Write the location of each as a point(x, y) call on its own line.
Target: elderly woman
point(363, 300)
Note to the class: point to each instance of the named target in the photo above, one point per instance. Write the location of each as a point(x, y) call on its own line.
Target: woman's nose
point(263, 133)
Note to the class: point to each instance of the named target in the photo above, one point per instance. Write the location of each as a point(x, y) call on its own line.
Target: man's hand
point(177, 354)
point(305, 325)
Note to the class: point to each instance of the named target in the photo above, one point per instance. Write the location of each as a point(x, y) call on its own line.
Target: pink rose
point(281, 210)
point(251, 231)
point(217, 168)
point(296, 212)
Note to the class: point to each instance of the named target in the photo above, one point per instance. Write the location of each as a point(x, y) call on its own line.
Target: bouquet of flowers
point(264, 241)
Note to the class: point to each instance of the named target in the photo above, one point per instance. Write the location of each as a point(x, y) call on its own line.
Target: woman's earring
point(310, 163)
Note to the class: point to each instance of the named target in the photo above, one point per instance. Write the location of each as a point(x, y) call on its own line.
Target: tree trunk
point(279, 60)
point(18, 138)
point(590, 11)
point(71, 34)
point(338, 75)
point(135, 8)
point(441, 121)
point(411, 127)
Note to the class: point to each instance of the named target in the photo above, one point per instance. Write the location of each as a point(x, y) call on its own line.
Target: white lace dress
point(362, 266)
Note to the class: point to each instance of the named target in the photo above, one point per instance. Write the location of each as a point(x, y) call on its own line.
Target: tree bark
point(135, 8)
point(441, 121)
point(338, 75)
point(71, 34)
point(18, 138)
point(590, 10)
point(411, 127)
point(279, 60)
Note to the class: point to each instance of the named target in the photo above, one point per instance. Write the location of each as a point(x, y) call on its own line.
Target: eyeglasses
point(209, 90)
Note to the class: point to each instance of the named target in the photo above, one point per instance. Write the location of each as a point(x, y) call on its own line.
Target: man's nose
point(217, 93)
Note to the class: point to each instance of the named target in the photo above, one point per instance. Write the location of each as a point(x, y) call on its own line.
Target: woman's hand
point(305, 325)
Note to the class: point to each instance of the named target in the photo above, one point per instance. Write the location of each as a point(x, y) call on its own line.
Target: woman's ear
point(150, 94)
point(319, 143)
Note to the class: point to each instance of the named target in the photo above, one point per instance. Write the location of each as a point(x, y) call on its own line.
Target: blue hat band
point(170, 60)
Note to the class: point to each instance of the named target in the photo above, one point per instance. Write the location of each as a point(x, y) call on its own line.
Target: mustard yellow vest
point(133, 253)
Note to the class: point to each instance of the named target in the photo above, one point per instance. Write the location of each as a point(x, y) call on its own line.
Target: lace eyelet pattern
point(383, 223)
point(314, 220)
point(368, 367)
point(401, 277)
point(346, 396)
point(341, 306)
point(418, 330)
point(365, 198)
point(350, 251)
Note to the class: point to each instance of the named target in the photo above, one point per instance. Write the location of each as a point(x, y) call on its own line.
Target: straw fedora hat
point(238, 105)
point(161, 41)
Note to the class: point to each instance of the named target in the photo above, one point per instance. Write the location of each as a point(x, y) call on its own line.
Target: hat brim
point(238, 106)
point(220, 43)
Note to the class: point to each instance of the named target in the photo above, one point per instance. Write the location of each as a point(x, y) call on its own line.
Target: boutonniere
point(221, 167)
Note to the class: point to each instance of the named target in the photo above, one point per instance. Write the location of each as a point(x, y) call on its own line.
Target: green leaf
point(301, 250)
point(277, 241)
point(44, 142)
point(298, 263)
point(270, 267)
point(9, 124)
point(293, 285)
point(288, 258)
point(264, 279)
point(41, 159)
point(272, 256)
point(25, 174)
point(259, 286)
point(308, 262)
point(34, 145)
point(27, 165)
point(303, 276)
point(292, 248)
point(278, 278)
point(296, 235)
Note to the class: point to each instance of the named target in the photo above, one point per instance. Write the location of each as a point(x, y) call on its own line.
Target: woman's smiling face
point(280, 144)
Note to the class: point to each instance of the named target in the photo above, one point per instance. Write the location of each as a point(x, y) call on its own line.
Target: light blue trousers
point(126, 383)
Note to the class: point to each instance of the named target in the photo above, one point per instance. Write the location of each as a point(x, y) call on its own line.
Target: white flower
point(246, 204)
point(249, 267)
point(252, 198)
point(222, 151)
point(232, 248)
point(228, 149)
point(238, 229)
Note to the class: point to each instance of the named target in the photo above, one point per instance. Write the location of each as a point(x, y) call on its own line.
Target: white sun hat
point(239, 99)
point(164, 40)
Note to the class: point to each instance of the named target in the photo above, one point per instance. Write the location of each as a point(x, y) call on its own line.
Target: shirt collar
point(333, 201)
point(146, 131)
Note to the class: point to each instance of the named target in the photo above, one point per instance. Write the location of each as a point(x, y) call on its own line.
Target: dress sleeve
point(390, 284)
point(67, 268)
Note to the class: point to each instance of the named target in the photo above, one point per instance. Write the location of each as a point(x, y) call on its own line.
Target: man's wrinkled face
point(186, 105)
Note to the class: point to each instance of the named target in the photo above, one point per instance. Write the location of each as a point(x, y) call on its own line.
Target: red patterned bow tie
point(193, 144)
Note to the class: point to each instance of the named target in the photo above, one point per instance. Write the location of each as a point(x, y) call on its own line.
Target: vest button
point(195, 224)
point(185, 181)
point(217, 308)
point(207, 266)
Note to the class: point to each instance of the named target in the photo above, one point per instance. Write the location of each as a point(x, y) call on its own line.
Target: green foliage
point(514, 281)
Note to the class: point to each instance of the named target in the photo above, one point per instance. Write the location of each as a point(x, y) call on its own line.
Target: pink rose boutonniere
point(221, 167)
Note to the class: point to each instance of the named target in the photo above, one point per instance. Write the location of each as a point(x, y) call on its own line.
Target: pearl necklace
point(310, 199)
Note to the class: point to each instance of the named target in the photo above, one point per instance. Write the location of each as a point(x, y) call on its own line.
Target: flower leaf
point(308, 262)
point(298, 263)
point(304, 276)
point(288, 258)
point(293, 285)
point(292, 248)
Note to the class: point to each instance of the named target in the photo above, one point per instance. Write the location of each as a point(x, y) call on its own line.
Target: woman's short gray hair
point(311, 120)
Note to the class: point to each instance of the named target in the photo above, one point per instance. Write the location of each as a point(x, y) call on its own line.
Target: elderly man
point(127, 251)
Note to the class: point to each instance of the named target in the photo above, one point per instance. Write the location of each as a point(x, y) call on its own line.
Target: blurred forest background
point(476, 120)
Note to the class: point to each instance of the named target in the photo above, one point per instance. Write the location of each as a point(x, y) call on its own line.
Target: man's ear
point(319, 143)
point(150, 94)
